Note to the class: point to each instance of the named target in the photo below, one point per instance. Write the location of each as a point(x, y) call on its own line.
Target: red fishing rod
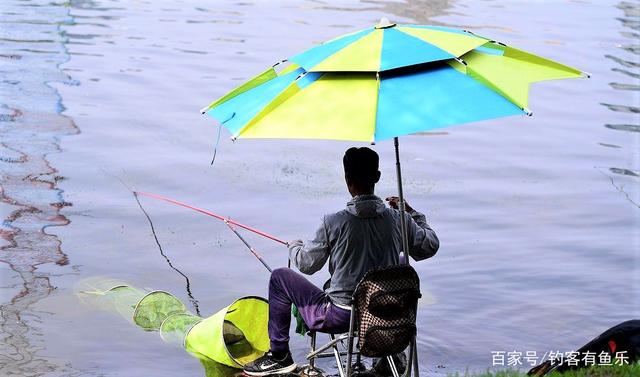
point(228, 222)
point(211, 214)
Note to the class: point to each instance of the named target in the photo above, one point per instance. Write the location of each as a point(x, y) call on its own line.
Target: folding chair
point(383, 319)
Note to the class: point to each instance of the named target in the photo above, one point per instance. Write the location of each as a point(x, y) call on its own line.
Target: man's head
point(361, 170)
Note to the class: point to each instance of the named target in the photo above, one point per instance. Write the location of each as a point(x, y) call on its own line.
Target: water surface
point(538, 217)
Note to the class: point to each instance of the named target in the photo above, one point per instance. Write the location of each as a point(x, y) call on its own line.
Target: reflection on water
point(628, 74)
point(624, 127)
point(213, 369)
point(629, 66)
point(31, 49)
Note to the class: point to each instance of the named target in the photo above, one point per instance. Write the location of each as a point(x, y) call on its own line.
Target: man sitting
point(355, 240)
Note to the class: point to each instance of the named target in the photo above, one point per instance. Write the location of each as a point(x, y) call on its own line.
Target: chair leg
point(336, 354)
point(416, 367)
point(312, 361)
point(408, 369)
point(352, 325)
point(359, 367)
point(392, 366)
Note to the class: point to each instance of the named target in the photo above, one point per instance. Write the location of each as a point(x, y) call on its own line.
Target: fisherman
point(355, 240)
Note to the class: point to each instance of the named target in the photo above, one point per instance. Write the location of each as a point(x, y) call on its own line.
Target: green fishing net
point(176, 326)
point(110, 294)
point(242, 327)
point(154, 308)
point(233, 336)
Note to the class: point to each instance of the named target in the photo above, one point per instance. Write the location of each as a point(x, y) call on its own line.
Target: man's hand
point(393, 203)
point(294, 243)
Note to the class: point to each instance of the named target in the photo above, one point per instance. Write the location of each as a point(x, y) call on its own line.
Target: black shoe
point(268, 365)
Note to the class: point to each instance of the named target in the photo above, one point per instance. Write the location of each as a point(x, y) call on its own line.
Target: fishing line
point(194, 302)
point(192, 299)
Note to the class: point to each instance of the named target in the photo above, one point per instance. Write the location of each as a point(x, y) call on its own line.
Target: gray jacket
point(364, 235)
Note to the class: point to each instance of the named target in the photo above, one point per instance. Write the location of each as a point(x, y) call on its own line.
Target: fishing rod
point(214, 215)
point(251, 249)
point(228, 222)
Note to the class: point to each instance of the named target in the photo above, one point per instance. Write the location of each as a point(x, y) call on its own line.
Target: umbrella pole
point(401, 206)
point(412, 365)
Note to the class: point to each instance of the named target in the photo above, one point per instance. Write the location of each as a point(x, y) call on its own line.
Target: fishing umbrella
point(384, 82)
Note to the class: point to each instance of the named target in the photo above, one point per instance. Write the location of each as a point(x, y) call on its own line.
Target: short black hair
point(361, 166)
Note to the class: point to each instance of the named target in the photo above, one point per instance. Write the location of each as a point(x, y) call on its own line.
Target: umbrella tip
point(384, 23)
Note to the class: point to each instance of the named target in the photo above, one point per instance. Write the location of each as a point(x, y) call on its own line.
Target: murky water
point(538, 217)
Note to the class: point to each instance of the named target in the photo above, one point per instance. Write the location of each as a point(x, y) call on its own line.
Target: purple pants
point(287, 287)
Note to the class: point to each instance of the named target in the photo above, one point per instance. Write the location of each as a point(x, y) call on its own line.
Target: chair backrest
point(385, 303)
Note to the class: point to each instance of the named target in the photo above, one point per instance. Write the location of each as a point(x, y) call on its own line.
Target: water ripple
point(30, 127)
